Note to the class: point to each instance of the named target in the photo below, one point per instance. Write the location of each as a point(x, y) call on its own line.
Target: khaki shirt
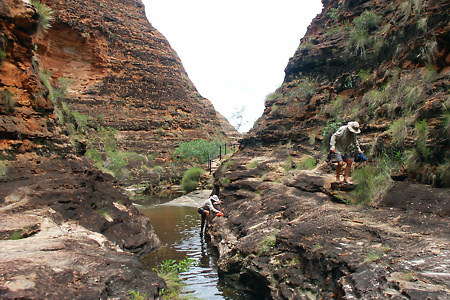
point(207, 205)
point(342, 139)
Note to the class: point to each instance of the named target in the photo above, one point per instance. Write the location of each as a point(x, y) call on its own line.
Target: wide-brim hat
point(214, 198)
point(353, 127)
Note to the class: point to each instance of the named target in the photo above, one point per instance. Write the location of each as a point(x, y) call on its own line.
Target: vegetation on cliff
point(99, 81)
point(289, 231)
point(386, 67)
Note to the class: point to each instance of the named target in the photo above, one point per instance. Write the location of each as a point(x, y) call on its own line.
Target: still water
point(178, 228)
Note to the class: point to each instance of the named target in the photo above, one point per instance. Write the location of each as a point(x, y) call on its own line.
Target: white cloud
point(234, 51)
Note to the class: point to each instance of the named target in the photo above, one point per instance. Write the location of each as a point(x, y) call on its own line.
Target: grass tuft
point(46, 16)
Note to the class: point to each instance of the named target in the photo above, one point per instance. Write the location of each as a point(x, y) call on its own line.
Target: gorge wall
point(286, 232)
point(66, 228)
point(117, 75)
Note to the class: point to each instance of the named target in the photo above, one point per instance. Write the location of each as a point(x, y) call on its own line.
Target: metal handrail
point(219, 148)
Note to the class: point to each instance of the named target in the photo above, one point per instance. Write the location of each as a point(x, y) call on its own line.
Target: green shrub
point(307, 163)
point(17, 235)
point(3, 168)
point(418, 5)
point(94, 155)
point(138, 296)
point(334, 14)
point(398, 131)
point(8, 100)
point(269, 243)
point(46, 16)
point(337, 107)
point(443, 171)
point(446, 122)
point(412, 160)
point(422, 24)
point(197, 150)
point(170, 271)
point(406, 8)
point(307, 87)
point(360, 32)
point(116, 162)
point(430, 51)
point(252, 164)
point(422, 137)
point(367, 21)
point(190, 179)
point(364, 74)
point(272, 97)
point(81, 122)
point(374, 99)
point(2, 56)
point(288, 164)
point(373, 182)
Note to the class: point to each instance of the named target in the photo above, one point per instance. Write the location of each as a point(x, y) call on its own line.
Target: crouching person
point(205, 211)
point(339, 145)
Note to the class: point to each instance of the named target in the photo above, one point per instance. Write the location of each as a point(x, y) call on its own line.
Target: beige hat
point(353, 127)
point(214, 198)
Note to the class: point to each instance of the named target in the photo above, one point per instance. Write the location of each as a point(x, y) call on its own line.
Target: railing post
point(212, 154)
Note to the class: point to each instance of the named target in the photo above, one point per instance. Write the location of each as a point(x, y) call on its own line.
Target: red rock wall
point(124, 72)
point(28, 115)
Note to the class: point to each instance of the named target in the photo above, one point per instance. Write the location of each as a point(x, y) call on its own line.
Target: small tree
point(238, 117)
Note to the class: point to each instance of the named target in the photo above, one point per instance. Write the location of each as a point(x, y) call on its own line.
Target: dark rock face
point(284, 234)
point(290, 229)
point(391, 79)
point(82, 194)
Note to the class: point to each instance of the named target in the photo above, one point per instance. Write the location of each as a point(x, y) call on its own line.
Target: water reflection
point(179, 230)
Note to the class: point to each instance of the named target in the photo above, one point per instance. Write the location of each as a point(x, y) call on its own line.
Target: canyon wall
point(290, 232)
point(113, 73)
point(77, 76)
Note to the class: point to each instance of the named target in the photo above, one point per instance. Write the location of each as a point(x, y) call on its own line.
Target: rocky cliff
point(123, 71)
point(70, 71)
point(288, 231)
point(113, 73)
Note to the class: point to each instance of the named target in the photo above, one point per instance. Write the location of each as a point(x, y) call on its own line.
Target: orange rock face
point(123, 70)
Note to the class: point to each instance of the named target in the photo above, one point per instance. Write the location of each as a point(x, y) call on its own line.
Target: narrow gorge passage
point(178, 227)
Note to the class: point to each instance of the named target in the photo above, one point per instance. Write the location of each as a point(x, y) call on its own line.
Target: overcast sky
point(234, 51)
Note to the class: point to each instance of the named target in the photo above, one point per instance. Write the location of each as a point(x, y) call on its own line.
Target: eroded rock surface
point(286, 232)
point(68, 232)
point(125, 75)
point(65, 260)
point(286, 236)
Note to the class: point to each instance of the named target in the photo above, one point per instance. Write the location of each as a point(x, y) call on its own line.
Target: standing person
point(339, 144)
point(205, 211)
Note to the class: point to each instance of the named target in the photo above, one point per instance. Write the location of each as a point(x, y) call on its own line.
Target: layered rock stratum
point(288, 232)
point(67, 230)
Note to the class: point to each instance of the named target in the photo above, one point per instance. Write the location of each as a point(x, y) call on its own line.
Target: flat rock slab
point(67, 233)
point(66, 260)
point(193, 199)
point(342, 186)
